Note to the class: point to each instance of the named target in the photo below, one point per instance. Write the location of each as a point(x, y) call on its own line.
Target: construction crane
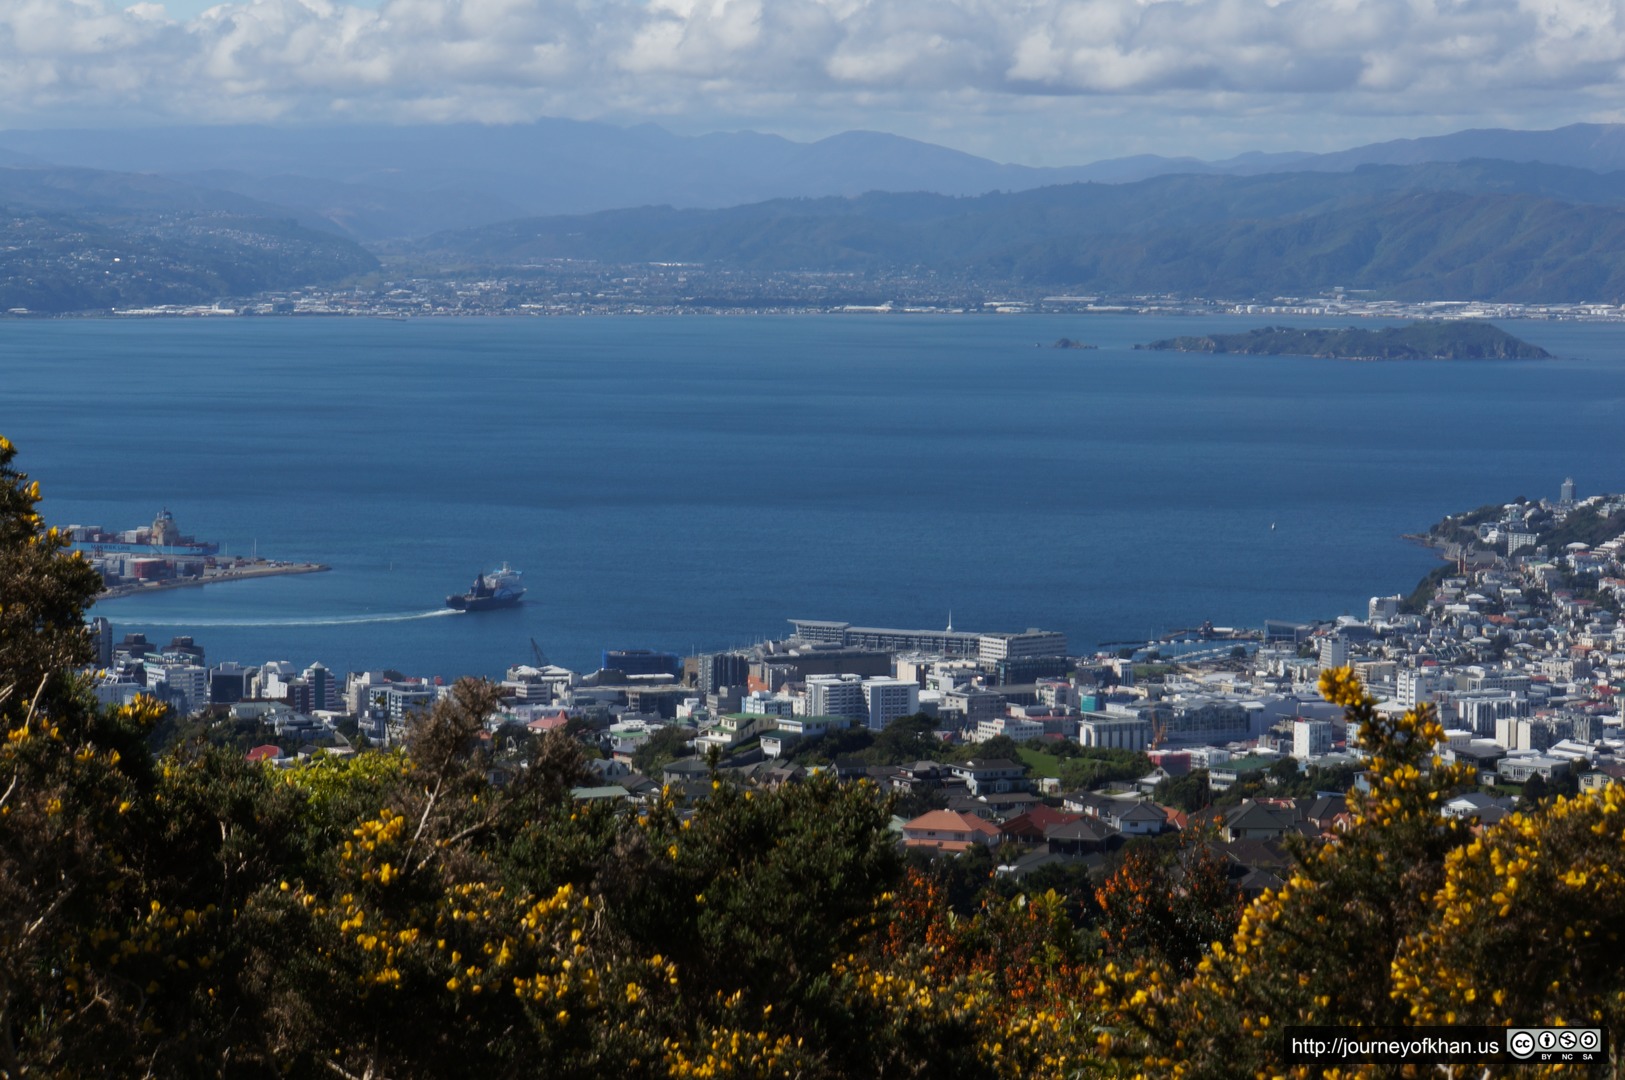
point(1159, 731)
point(536, 651)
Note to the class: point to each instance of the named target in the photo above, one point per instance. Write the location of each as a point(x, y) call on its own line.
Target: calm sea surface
point(691, 483)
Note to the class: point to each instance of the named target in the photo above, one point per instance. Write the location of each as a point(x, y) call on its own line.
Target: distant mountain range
point(1474, 230)
point(1474, 215)
point(374, 182)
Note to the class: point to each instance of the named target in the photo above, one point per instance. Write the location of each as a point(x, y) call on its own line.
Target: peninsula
point(1456, 340)
point(213, 574)
point(159, 556)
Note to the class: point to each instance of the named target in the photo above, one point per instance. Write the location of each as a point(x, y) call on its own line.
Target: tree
point(44, 591)
point(666, 745)
point(1282, 770)
point(1189, 793)
point(904, 740)
point(1534, 793)
point(1167, 912)
point(999, 747)
point(1095, 767)
point(1357, 897)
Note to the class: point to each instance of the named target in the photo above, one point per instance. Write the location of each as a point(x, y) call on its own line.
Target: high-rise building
point(101, 636)
point(184, 686)
point(1418, 686)
point(886, 699)
point(228, 683)
point(1311, 739)
point(836, 695)
point(1566, 491)
point(713, 671)
point(323, 693)
point(1334, 652)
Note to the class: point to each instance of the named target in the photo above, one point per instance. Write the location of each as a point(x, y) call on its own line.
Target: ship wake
point(335, 620)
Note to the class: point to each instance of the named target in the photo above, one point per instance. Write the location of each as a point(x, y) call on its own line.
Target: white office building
point(1383, 608)
point(991, 648)
point(887, 699)
point(765, 703)
point(1017, 729)
point(836, 695)
point(1311, 739)
point(1334, 652)
point(1118, 732)
point(1418, 686)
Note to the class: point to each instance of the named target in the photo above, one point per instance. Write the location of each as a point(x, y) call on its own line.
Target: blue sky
point(1033, 81)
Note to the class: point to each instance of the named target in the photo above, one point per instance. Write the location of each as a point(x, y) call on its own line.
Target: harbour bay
point(690, 483)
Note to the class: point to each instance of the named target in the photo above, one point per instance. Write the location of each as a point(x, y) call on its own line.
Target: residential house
point(993, 775)
point(944, 830)
point(1255, 821)
point(1084, 836)
point(1028, 827)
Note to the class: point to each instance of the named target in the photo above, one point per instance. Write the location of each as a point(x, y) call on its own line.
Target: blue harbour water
point(690, 483)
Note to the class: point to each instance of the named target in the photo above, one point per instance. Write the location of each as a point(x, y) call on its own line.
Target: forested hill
point(1476, 230)
point(1465, 340)
point(55, 262)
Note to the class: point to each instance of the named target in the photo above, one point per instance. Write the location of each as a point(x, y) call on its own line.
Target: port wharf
point(156, 557)
point(246, 570)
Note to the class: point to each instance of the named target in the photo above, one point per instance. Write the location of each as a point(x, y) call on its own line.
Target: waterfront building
point(1031, 643)
point(936, 642)
point(642, 662)
point(1384, 608)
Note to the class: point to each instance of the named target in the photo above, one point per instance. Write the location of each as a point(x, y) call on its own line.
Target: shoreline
point(243, 573)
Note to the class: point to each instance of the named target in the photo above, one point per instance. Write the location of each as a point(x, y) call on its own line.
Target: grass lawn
point(1041, 764)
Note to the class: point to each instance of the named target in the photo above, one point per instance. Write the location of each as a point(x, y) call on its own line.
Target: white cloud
point(509, 59)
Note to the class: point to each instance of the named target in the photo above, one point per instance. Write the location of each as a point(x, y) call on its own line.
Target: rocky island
point(1423, 340)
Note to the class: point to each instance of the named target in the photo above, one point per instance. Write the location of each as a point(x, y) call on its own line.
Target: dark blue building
point(643, 662)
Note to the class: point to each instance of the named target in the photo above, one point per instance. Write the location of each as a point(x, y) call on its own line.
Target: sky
point(1042, 82)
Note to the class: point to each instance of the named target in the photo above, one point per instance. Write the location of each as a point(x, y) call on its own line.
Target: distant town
point(1015, 741)
point(572, 288)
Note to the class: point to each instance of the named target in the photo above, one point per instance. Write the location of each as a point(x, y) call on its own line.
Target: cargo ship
point(500, 588)
point(161, 539)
